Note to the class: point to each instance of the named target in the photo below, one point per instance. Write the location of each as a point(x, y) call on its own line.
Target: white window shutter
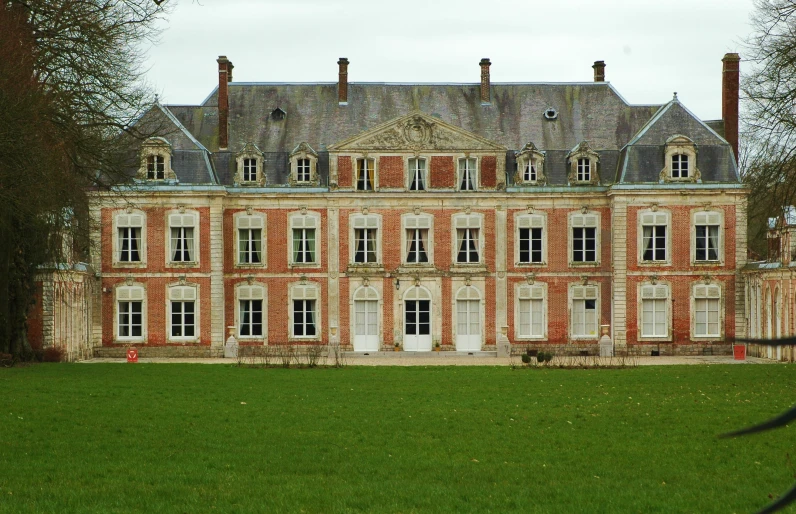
point(577, 293)
point(661, 291)
point(660, 218)
point(590, 293)
point(372, 222)
point(176, 293)
point(175, 220)
point(123, 293)
point(411, 222)
point(647, 292)
point(647, 219)
point(189, 293)
point(537, 292)
point(714, 292)
point(700, 291)
point(525, 292)
point(524, 222)
point(590, 221)
point(537, 222)
point(577, 221)
point(244, 293)
point(188, 220)
point(244, 222)
point(714, 218)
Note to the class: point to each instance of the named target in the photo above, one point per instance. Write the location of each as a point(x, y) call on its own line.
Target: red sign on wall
point(132, 355)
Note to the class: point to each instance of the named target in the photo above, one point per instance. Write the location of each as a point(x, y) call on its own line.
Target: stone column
point(619, 257)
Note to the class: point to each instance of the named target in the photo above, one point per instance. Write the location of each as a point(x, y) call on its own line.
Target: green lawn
point(209, 438)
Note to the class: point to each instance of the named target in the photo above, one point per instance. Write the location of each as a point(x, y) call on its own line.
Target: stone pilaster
point(740, 261)
point(619, 258)
point(217, 324)
point(501, 295)
point(333, 256)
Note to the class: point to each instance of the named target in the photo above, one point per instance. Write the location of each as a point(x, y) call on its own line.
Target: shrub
point(526, 359)
point(53, 354)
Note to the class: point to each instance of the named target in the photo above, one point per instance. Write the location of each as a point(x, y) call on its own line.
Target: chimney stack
point(224, 78)
point(485, 96)
point(599, 71)
point(342, 81)
point(730, 89)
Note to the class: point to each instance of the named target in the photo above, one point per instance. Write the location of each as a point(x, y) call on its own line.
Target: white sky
point(651, 48)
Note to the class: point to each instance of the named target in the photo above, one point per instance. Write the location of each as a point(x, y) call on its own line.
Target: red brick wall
point(388, 315)
point(279, 308)
point(447, 312)
point(345, 171)
point(488, 171)
point(391, 171)
point(442, 172)
point(490, 324)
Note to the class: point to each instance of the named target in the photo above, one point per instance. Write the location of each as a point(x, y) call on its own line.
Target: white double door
point(417, 325)
point(468, 325)
point(366, 326)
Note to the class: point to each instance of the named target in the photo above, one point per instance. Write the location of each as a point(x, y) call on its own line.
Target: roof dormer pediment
point(416, 132)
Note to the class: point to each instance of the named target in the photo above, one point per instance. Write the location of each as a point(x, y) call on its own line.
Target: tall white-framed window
point(654, 237)
point(585, 311)
point(365, 319)
point(251, 239)
point(654, 311)
point(130, 313)
point(708, 240)
point(250, 169)
point(303, 170)
point(530, 166)
point(251, 311)
point(303, 165)
point(531, 311)
point(183, 317)
point(130, 242)
point(468, 244)
point(366, 174)
point(249, 166)
point(417, 174)
point(584, 169)
point(680, 161)
point(468, 174)
point(304, 311)
point(707, 309)
point(417, 239)
point(530, 235)
point(304, 249)
point(529, 174)
point(366, 247)
point(584, 239)
point(468, 321)
point(680, 168)
point(183, 238)
point(155, 167)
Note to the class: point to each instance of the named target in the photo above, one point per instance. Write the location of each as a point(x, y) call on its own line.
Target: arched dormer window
point(250, 166)
point(583, 165)
point(156, 160)
point(303, 166)
point(530, 166)
point(680, 161)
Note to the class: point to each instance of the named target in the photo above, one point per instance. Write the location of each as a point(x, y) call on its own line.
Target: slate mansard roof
point(630, 139)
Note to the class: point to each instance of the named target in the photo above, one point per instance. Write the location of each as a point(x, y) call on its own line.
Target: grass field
point(211, 438)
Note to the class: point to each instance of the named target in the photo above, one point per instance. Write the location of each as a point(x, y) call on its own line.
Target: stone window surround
point(303, 151)
point(475, 174)
point(692, 310)
point(292, 288)
point(355, 159)
point(196, 313)
point(571, 310)
point(693, 215)
point(530, 152)
point(249, 151)
point(532, 215)
point(405, 242)
point(318, 238)
point(640, 237)
point(363, 217)
point(196, 239)
point(144, 318)
point(249, 213)
point(156, 146)
point(377, 286)
point(680, 145)
point(409, 176)
point(142, 250)
point(583, 151)
point(597, 238)
point(533, 285)
point(466, 287)
point(463, 266)
point(264, 288)
point(640, 310)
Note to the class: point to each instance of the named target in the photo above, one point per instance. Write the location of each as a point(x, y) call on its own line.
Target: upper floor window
point(183, 312)
point(366, 175)
point(468, 238)
point(680, 160)
point(156, 160)
point(654, 236)
point(583, 162)
point(707, 236)
point(250, 239)
point(251, 299)
point(417, 233)
point(303, 164)
point(468, 174)
point(249, 166)
point(182, 240)
point(417, 174)
point(530, 238)
point(585, 238)
point(303, 231)
point(366, 238)
point(530, 166)
point(130, 312)
point(129, 244)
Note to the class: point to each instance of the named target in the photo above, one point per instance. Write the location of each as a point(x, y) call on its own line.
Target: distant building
point(376, 213)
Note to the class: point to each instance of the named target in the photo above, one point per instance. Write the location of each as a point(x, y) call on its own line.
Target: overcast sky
point(651, 48)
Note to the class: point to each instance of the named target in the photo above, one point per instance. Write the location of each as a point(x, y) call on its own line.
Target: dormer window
point(583, 162)
point(530, 166)
point(250, 166)
point(156, 160)
point(680, 161)
point(303, 166)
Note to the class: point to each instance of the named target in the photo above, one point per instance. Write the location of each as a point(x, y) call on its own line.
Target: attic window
point(278, 114)
point(550, 113)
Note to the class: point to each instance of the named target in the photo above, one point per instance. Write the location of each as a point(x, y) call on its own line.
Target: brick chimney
point(224, 78)
point(342, 81)
point(599, 71)
point(730, 89)
point(485, 96)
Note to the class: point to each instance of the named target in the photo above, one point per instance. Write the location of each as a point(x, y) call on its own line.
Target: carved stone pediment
point(530, 155)
point(303, 151)
point(249, 151)
point(585, 152)
point(416, 132)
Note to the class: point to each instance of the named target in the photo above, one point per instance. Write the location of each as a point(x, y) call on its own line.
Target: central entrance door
point(366, 320)
point(468, 320)
point(417, 320)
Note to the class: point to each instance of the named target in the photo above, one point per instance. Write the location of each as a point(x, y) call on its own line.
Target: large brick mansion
point(372, 214)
